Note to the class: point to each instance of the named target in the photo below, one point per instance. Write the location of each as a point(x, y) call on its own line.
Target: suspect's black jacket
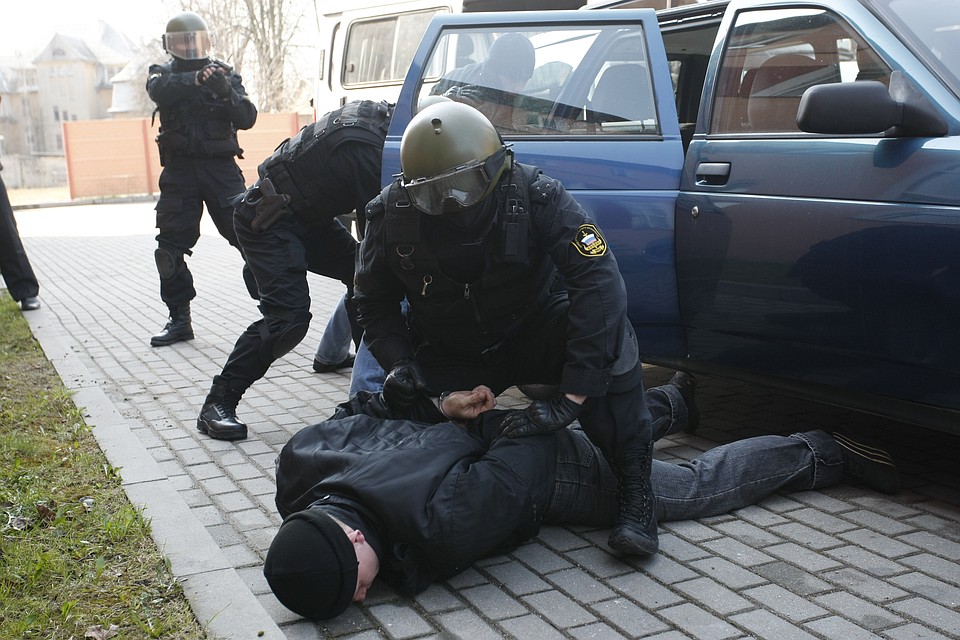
point(195, 122)
point(441, 496)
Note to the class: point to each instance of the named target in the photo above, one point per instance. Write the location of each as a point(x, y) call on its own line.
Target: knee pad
point(289, 338)
point(280, 335)
point(167, 263)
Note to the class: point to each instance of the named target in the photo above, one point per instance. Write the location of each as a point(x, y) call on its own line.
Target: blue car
point(779, 180)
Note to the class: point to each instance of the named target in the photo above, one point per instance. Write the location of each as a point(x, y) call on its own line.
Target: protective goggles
point(464, 185)
point(188, 45)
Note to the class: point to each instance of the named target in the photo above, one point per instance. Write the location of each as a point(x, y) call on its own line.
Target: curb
point(221, 601)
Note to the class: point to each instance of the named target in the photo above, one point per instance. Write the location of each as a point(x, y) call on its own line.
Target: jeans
point(334, 345)
point(727, 477)
point(367, 374)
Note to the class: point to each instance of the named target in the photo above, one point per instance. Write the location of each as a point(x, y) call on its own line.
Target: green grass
point(76, 558)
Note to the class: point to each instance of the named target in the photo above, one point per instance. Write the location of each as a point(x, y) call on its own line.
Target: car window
point(576, 80)
point(379, 51)
point(773, 56)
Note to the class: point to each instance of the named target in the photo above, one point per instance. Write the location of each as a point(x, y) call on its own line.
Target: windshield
point(932, 30)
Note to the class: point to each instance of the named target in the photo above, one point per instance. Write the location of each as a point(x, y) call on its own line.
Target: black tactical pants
point(186, 185)
point(14, 265)
point(279, 259)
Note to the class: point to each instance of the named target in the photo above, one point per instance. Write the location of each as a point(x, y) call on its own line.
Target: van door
point(820, 259)
point(594, 109)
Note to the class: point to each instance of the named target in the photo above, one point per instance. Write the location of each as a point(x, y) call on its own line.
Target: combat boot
point(177, 329)
point(218, 416)
point(635, 529)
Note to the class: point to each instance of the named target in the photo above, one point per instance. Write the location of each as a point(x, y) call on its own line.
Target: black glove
point(404, 384)
point(542, 416)
point(471, 94)
point(217, 82)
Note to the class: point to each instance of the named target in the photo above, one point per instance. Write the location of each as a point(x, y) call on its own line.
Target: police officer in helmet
point(286, 224)
point(201, 103)
point(509, 282)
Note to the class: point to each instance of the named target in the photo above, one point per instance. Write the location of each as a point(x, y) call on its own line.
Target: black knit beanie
point(311, 565)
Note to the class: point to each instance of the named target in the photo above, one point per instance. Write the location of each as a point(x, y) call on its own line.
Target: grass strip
point(76, 558)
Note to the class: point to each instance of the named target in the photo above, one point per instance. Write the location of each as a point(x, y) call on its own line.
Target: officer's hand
point(472, 95)
point(404, 384)
point(542, 416)
point(216, 80)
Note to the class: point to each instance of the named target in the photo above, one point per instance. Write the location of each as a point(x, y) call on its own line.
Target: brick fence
point(119, 157)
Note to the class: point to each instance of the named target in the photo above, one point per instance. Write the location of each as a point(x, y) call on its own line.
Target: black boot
point(867, 464)
point(177, 329)
point(635, 530)
point(218, 416)
point(686, 384)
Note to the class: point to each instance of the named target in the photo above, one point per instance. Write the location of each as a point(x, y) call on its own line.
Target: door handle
point(714, 174)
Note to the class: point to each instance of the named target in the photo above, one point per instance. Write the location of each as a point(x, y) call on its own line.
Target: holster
point(268, 204)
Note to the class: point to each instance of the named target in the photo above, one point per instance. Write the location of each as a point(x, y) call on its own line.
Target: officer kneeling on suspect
point(475, 241)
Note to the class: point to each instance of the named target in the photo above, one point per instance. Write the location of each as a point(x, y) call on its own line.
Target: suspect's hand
point(403, 385)
point(542, 416)
point(467, 405)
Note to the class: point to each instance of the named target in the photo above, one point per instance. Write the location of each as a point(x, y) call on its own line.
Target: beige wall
point(119, 157)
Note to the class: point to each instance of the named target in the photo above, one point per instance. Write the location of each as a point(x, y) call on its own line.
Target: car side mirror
point(867, 106)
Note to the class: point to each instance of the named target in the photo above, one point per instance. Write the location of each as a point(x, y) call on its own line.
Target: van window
point(774, 55)
point(379, 51)
point(557, 81)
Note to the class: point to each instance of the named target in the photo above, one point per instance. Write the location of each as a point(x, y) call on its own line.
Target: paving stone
point(931, 614)
point(530, 627)
point(693, 620)
point(792, 578)
point(467, 624)
point(935, 590)
point(561, 610)
point(785, 603)
point(878, 543)
point(864, 585)
point(493, 601)
point(727, 573)
point(714, 596)
point(858, 610)
point(737, 552)
point(627, 616)
point(580, 585)
point(765, 624)
point(517, 578)
point(866, 560)
point(400, 620)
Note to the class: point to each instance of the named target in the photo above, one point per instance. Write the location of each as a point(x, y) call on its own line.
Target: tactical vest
point(517, 279)
point(198, 126)
point(296, 162)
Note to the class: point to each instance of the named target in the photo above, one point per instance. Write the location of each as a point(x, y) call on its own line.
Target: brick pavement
point(840, 563)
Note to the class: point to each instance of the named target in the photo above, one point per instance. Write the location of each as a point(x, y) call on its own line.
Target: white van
point(366, 46)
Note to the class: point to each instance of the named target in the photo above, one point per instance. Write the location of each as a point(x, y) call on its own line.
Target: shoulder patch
point(589, 242)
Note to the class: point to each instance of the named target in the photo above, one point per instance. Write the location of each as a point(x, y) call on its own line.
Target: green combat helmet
point(451, 157)
point(187, 37)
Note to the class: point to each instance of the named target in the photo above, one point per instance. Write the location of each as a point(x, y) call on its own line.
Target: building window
point(56, 114)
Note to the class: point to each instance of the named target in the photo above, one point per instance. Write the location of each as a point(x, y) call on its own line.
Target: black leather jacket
point(442, 496)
